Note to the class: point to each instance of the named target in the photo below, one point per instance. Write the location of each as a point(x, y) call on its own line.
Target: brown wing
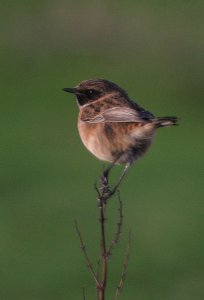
point(117, 114)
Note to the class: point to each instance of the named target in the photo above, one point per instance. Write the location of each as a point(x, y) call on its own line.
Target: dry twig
point(103, 252)
point(83, 248)
point(124, 271)
point(104, 193)
point(119, 226)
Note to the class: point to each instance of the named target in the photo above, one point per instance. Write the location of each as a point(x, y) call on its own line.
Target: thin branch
point(104, 193)
point(124, 271)
point(83, 248)
point(103, 252)
point(98, 276)
point(119, 226)
point(98, 268)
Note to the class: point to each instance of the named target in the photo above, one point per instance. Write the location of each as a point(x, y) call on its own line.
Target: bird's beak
point(70, 90)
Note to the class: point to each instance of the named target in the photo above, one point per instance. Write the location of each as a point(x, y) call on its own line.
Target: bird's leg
point(107, 192)
point(105, 175)
point(125, 170)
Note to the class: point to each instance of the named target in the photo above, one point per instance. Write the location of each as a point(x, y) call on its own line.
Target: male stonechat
point(111, 126)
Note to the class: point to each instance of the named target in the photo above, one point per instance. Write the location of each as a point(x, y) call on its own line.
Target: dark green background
point(153, 49)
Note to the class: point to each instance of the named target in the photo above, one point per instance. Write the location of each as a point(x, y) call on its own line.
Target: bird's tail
point(165, 121)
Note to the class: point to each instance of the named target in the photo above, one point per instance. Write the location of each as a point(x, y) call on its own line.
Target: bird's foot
point(105, 190)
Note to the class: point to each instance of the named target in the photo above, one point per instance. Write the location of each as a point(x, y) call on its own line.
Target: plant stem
point(103, 253)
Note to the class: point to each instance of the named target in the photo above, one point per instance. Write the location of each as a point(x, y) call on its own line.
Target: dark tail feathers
point(165, 121)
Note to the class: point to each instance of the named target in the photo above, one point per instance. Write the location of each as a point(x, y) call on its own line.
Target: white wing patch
point(117, 114)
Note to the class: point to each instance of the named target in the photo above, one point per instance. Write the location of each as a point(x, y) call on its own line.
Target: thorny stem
point(98, 276)
point(103, 253)
point(124, 271)
point(104, 193)
point(119, 226)
point(83, 248)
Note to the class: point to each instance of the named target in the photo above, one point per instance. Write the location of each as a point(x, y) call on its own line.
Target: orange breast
point(107, 140)
point(92, 136)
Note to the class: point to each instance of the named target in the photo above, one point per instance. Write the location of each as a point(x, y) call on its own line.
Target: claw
point(104, 190)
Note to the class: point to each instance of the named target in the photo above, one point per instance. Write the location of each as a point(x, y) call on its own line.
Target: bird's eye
point(90, 92)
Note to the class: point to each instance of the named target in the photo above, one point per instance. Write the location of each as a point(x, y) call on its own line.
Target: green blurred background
point(153, 49)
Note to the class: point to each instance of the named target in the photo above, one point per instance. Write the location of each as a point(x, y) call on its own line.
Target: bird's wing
point(117, 114)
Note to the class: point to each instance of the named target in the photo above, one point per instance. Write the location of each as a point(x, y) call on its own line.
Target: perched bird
point(112, 126)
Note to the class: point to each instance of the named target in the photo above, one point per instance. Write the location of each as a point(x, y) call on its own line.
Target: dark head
point(91, 90)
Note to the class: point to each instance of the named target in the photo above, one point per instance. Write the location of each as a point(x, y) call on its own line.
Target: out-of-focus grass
point(155, 52)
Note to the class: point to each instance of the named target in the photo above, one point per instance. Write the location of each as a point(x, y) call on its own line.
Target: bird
point(112, 126)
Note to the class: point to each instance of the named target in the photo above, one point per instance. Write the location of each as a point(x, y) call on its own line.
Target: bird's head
point(91, 90)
